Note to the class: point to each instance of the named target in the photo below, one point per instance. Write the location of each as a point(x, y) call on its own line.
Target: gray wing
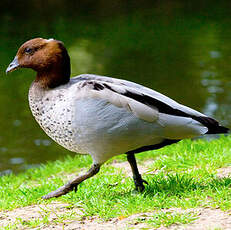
point(177, 120)
point(141, 89)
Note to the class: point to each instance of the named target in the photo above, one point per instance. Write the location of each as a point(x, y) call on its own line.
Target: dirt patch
point(52, 212)
point(208, 219)
point(51, 217)
point(224, 172)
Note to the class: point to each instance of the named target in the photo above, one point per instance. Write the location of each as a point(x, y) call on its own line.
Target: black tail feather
point(213, 126)
point(217, 129)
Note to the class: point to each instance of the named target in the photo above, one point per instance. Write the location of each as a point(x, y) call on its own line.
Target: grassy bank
point(181, 176)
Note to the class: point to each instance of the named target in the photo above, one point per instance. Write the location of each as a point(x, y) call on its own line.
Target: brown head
point(48, 57)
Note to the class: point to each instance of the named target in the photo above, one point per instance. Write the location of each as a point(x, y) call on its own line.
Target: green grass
point(185, 177)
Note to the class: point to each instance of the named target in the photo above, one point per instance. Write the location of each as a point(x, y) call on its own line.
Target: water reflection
point(185, 57)
point(16, 160)
point(39, 142)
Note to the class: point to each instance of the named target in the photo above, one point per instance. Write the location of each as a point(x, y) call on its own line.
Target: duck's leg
point(139, 182)
point(72, 184)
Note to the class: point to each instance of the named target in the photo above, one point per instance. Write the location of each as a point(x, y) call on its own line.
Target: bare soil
point(224, 172)
point(208, 219)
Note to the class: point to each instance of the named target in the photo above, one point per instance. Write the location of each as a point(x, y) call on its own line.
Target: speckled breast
point(54, 114)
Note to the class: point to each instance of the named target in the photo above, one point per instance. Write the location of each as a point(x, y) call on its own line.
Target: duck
point(102, 116)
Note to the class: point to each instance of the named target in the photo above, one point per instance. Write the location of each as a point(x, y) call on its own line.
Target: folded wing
point(177, 121)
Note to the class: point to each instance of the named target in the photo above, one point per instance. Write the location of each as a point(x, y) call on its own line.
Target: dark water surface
point(185, 56)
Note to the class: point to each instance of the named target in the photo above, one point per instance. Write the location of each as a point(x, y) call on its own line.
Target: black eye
point(28, 50)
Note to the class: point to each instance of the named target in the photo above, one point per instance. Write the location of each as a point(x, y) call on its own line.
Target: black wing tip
point(213, 126)
point(218, 129)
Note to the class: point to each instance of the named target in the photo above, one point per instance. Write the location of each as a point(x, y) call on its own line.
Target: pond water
point(185, 56)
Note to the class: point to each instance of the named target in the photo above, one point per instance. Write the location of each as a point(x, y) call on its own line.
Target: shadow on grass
point(178, 185)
